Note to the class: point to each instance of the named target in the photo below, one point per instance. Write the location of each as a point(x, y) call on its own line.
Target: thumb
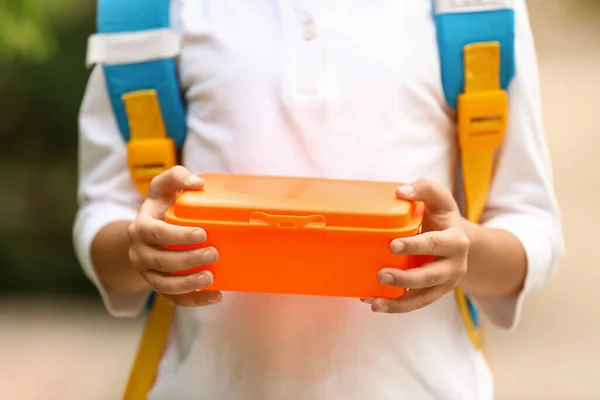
point(437, 199)
point(165, 187)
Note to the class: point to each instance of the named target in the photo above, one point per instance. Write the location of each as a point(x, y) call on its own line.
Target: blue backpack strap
point(460, 23)
point(137, 50)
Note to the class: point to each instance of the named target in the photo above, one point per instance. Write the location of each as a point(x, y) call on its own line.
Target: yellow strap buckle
point(483, 107)
point(148, 158)
point(482, 120)
point(149, 151)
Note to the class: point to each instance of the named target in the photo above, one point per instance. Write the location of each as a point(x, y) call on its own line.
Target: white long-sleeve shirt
point(340, 89)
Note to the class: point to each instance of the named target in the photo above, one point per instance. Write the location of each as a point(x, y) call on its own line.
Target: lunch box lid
point(296, 203)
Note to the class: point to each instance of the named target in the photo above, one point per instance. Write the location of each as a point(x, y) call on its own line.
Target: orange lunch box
point(306, 236)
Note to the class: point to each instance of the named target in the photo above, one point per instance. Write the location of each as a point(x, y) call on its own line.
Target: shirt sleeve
point(105, 191)
point(522, 199)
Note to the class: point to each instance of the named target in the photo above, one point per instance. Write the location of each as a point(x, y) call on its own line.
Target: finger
point(156, 232)
point(165, 186)
point(412, 301)
point(195, 299)
point(429, 275)
point(444, 243)
point(437, 198)
point(173, 180)
point(178, 284)
point(168, 261)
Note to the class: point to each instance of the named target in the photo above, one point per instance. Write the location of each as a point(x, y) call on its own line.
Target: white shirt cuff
point(543, 247)
point(89, 221)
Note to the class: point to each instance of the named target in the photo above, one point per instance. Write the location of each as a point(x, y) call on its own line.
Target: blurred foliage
point(28, 28)
point(42, 80)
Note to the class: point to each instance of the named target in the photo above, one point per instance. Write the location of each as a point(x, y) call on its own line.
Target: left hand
point(442, 237)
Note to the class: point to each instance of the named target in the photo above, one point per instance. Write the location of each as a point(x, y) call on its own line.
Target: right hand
point(156, 264)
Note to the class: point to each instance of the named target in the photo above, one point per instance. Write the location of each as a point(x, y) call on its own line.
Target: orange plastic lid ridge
point(307, 203)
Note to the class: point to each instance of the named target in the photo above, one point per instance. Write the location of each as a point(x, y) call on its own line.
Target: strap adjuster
point(147, 158)
point(483, 107)
point(149, 150)
point(482, 119)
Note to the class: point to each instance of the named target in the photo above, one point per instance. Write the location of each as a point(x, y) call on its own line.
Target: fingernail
point(192, 180)
point(383, 309)
point(199, 235)
point(216, 298)
point(398, 246)
point(210, 256)
point(204, 279)
point(367, 301)
point(387, 279)
point(406, 190)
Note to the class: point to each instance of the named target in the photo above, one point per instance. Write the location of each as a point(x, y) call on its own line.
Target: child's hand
point(156, 264)
point(442, 237)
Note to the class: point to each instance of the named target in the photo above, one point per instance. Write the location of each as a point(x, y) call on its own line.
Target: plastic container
point(298, 235)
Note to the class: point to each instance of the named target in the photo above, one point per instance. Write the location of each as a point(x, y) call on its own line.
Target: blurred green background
point(42, 79)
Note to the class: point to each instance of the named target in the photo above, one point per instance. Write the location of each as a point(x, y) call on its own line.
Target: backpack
point(137, 50)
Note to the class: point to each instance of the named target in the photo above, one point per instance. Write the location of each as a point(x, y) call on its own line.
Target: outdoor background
point(57, 342)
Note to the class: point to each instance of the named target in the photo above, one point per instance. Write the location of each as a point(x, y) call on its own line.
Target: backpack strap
point(137, 51)
point(477, 57)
